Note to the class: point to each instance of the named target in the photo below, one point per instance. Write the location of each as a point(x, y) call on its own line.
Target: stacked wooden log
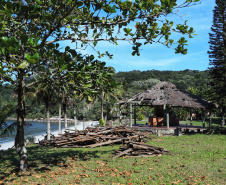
point(137, 149)
point(95, 137)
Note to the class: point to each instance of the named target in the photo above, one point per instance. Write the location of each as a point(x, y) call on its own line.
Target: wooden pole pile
point(95, 137)
point(137, 149)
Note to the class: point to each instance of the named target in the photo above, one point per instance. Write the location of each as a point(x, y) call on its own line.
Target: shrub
point(102, 122)
point(140, 117)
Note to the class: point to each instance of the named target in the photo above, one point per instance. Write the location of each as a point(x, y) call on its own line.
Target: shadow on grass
point(48, 157)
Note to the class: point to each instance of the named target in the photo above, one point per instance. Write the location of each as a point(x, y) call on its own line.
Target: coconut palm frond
point(8, 129)
point(5, 112)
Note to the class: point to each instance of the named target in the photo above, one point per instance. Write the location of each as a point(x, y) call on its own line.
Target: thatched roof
point(166, 93)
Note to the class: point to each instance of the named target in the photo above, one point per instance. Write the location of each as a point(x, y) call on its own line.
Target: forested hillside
point(134, 82)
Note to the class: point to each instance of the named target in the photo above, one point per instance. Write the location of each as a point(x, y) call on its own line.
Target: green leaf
point(24, 64)
point(63, 68)
point(32, 61)
point(35, 56)
point(27, 56)
point(30, 41)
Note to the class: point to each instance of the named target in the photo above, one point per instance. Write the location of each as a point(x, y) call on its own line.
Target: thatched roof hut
point(166, 93)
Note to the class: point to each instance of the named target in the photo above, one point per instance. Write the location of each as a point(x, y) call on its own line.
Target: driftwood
point(95, 137)
point(123, 153)
point(135, 149)
point(105, 143)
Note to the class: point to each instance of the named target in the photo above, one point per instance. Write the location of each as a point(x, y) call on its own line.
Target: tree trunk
point(102, 108)
point(75, 119)
point(84, 114)
point(19, 139)
point(65, 115)
point(48, 120)
point(60, 131)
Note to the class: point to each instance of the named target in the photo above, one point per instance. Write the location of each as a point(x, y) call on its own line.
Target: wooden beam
point(123, 153)
point(104, 143)
point(167, 117)
point(210, 119)
point(203, 118)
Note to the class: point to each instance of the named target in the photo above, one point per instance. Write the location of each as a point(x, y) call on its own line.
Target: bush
point(140, 117)
point(102, 122)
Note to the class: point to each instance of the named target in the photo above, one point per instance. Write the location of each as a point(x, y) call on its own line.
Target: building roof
point(166, 93)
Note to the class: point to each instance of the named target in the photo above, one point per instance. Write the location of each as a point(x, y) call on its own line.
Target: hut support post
point(120, 113)
point(131, 114)
point(167, 116)
point(190, 116)
point(210, 119)
point(203, 118)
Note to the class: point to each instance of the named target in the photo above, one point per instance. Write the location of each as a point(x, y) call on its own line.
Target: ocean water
point(38, 131)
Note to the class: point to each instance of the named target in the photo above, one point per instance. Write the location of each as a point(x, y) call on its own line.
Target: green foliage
point(102, 122)
point(217, 55)
point(145, 84)
point(5, 112)
point(140, 117)
point(136, 81)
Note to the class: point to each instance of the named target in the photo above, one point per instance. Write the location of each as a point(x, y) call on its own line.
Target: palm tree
point(45, 92)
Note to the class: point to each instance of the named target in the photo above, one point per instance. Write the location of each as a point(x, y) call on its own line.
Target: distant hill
point(136, 81)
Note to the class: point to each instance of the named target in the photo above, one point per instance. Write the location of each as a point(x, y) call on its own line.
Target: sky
point(158, 57)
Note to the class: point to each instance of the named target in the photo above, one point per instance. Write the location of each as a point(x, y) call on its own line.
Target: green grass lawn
point(142, 122)
point(215, 122)
point(198, 159)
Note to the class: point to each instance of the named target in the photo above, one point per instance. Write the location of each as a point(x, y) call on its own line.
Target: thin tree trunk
point(75, 119)
point(48, 120)
point(102, 108)
point(65, 116)
point(60, 131)
point(84, 114)
point(19, 139)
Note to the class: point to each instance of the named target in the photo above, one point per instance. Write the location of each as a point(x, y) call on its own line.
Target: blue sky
point(158, 57)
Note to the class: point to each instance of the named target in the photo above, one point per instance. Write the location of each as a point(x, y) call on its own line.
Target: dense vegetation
point(134, 82)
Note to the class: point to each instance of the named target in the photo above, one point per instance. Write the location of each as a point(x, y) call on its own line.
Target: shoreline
point(52, 120)
point(39, 136)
